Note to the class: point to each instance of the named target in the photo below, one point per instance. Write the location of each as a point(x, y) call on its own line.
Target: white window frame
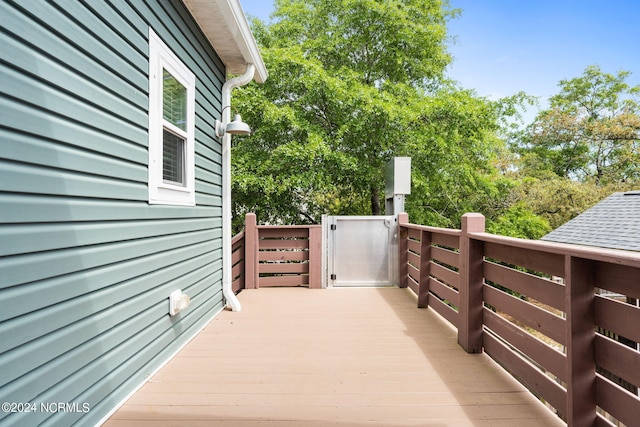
point(161, 192)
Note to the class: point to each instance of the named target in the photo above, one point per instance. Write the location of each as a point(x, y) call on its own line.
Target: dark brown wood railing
point(237, 262)
point(538, 309)
point(282, 255)
point(429, 265)
point(562, 319)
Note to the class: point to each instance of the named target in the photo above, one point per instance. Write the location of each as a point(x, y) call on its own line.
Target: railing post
point(403, 249)
point(471, 284)
point(580, 321)
point(315, 257)
point(251, 251)
point(425, 264)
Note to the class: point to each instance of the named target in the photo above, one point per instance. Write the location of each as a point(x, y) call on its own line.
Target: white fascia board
point(225, 25)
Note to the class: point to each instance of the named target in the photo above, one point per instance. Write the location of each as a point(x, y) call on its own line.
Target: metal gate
point(360, 250)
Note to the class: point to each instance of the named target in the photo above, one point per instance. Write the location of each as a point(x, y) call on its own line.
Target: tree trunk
point(375, 201)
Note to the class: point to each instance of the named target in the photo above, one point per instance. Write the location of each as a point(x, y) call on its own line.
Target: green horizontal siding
point(77, 41)
point(65, 130)
point(27, 178)
point(45, 237)
point(51, 291)
point(40, 37)
point(29, 149)
point(29, 208)
point(56, 102)
point(124, 353)
point(68, 317)
point(41, 265)
point(128, 105)
point(86, 264)
point(54, 337)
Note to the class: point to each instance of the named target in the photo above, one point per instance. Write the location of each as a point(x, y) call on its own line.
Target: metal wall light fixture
point(235, 127)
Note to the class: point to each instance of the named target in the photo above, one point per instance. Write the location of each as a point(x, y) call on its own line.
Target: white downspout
point(227, 291)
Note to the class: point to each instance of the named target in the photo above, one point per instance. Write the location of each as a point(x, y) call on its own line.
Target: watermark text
point(46, 407)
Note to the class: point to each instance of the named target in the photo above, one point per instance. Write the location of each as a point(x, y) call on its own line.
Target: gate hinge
point(333, 277)
point(333, 227)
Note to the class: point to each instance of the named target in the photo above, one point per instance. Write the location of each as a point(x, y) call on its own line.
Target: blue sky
point(502, 47)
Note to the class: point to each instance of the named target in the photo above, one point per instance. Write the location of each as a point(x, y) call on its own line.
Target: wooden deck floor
point(348, 356)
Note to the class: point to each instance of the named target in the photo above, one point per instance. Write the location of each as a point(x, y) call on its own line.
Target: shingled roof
point(613, 223)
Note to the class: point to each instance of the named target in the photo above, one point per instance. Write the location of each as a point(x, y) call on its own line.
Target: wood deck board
point(349, 357)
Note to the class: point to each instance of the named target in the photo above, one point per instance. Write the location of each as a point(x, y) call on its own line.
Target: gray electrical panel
point(397, 184)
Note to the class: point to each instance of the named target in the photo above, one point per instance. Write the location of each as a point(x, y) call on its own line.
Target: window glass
point(173, 158)
point(174, 101)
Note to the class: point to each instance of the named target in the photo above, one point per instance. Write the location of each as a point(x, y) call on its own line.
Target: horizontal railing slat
point(237, 270)
point(283, 244)
point(283, 255)
point(617, 401)
point(444, 292)
point(549, 263)
point(549, 358)
point(538, 288)
point(238, 237)
point(619, 359)
point(413, 259)
point(541, 320)
point(444, 274)
point(448, 240)
point(527, 373)
point(413, 285)
point(612, 256)
point(292, 280)
point(618, 317)
point(445, 256)
point(283, 268)
point(414, 247)
point(237, 285)
point(444, 310)
point(236, 256)
point(618, 278)
point(414, 272)
point(283, 232)
point(414, 234)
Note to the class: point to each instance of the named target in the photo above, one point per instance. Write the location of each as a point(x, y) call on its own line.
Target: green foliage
point(454, 153)
point(519, 221)
point(590, 132)
point(399, 41)
point(558, 200)
point(352, 84)
point(320, 141)
point(579, 151)
point(355, 82)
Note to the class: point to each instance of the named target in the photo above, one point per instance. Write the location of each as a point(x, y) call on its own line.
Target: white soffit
point(226, 27)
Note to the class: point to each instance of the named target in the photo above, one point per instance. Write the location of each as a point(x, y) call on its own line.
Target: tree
point(455, 149)
point(395, 41)
point(519, 221)
point(352, 84)
point(590, 132)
